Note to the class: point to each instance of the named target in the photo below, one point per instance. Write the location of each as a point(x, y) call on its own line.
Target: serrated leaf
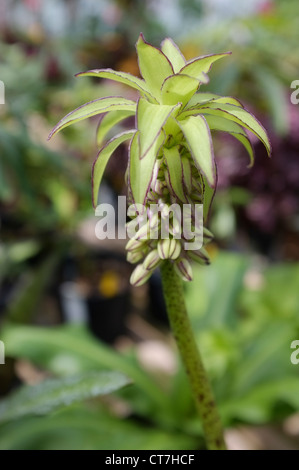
point(194, 68)
point(240, 116)
point(221, 124)
point(179, 89)
point(154, 66)
point(175, 169)
point(198, 137)
point(173, 53)
point(92, 108)
point(102, 159)
point(108, 121)
point(51, 394)
point(205, 97)
point(141, 171)
point(121, 77)
point(150, 120)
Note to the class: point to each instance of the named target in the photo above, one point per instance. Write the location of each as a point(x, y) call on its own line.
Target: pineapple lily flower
point(171, 163)
point(171, 158)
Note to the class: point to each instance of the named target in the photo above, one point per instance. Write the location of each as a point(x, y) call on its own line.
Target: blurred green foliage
point(244, 334)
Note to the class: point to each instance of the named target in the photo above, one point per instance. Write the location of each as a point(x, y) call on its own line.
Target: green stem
point(199, 382)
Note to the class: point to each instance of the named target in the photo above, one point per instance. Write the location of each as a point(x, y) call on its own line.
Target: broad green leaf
point(173, 53)
point(240, 116)
point(187, 173)
point(141, 171)
point(174, 164)
point(194, 68)
point(82, 427)
point(55, 393)
point(198, 137)
point(220, 124)
point(205, 97)
point(178, 89)
point(122, 77)
point(102, 160)
point(154, 66)
point(99, 106)
point(150, 120)
point(108, 121)
point(67, 350)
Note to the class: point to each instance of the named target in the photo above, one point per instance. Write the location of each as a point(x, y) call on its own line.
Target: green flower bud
point(152, 260)
point(140, 275)
point(169, 248)
point(134, 256)
point(134, 245)
point(200, 256)
point(184, 269)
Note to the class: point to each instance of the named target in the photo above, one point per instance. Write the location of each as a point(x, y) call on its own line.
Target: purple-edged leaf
point(179, 89)
point(121, 77)
point(209, 194)
point(194, 68)
point(175, 169)
point(173, 53)
point(187, 173)
point(99, 106)
point(198, 137)
point(205, 97)
point(141, 171)
point(220, 124)
point(150, 120)
point(108, 121)
point(154, 66)
point(102, 160)
point(240, 116)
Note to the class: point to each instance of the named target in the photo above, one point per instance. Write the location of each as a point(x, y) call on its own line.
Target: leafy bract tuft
point(174, 120)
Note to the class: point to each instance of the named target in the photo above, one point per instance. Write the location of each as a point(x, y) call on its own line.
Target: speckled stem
point(199, 382)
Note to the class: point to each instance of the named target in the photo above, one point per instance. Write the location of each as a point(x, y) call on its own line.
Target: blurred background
point(66, 306)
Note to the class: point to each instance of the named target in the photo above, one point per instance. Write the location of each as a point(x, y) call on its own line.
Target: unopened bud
point(184, 269)
point(134, 244)
point(152, 260)
point(200, 256)
point(134, 256)
point(169, 248)
point(140, 275)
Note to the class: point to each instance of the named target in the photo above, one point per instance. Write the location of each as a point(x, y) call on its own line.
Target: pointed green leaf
point(194, 68)
point(141, 171)
point(240, 116)
point(51, 394)
point(202, 98)
point(198, 137)
point(174, 164)
point(99, 106)
point(179, 89)
point(121, 77)
point(187, 173)
point(150, 120)
point(154, 66)
point(220, 124)
point(102, 160)
point(173, 53)
point(108, 121)
point(208, 197)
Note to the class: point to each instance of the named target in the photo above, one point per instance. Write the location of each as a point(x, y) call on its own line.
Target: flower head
point(171, 158)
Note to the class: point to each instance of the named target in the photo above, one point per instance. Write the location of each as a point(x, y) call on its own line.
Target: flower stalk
point(198, 379)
